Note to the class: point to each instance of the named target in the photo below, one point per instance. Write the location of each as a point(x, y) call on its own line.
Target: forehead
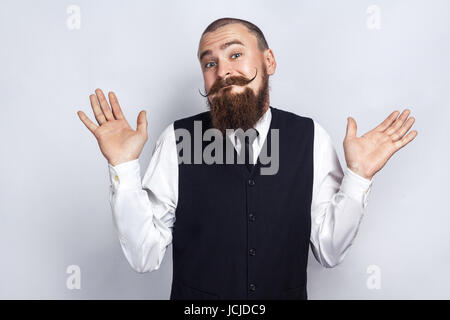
point(213, 40)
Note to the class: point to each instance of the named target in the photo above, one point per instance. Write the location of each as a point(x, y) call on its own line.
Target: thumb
point(142, 122)
point(351, 127)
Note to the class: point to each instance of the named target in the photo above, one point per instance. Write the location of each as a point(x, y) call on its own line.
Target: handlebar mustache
point(229, 81)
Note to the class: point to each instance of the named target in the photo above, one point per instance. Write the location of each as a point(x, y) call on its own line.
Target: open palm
point(117, 140)
point(366, 155)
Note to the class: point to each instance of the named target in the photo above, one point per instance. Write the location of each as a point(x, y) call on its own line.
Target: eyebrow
point(227, 44)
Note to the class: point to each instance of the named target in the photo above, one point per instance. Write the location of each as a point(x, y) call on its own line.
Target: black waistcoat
point(240, 234)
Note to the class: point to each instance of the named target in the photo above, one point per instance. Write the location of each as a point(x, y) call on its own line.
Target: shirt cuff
point(126, 175)
point(356, 186)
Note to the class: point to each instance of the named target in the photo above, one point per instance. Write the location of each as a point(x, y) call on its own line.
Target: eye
point(207, 65)
point(236, 54)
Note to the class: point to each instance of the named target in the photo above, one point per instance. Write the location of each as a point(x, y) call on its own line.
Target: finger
point(87, 122)
point(403, 130)
point(104, 105)
point(351, 128)
point(98, 113)
point(387, 122)
point(405, 140)
point(142, 123)
point(117, 111)
point(398, 123)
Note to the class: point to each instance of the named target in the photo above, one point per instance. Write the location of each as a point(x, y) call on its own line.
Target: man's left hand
point(366, 155)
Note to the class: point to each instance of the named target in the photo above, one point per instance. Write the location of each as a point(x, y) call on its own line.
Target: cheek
point(256, 83)
point(255, 87)
point(249, 64)
point(245, 68)
point(209, 80)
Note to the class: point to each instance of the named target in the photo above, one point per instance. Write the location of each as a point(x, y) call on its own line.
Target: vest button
point(251, 217)
point(252, 287)
point(252, 251)
point(251, 182)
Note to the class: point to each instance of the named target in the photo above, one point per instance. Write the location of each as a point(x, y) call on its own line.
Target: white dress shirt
point(144, 209)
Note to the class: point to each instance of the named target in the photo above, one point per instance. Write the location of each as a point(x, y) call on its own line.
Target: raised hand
point(117, 140)
point(366, 155)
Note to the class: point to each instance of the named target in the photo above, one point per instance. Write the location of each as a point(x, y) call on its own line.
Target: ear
point(269, 60)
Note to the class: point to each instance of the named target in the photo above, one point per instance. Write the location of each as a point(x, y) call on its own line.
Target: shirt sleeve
point(144, 210)
point(338, 203)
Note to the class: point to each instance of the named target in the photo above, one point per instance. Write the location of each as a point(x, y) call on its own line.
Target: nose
point(223, 70)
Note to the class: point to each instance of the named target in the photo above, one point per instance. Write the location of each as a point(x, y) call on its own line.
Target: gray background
point(54, 186)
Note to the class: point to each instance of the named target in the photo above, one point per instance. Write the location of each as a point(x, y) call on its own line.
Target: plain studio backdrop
point(335, 59)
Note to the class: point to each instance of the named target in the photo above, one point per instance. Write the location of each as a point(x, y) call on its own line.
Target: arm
point(338, 203)
point(144, 213)
point(339, 200)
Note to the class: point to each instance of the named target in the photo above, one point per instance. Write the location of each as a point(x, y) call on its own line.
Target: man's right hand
point(117, 140)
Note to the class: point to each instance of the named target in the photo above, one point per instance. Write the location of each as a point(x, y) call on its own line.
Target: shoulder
point(291, 120)
point(294, 120)
point(319, 129)
point(187, 122)
point(288, 115)
point(166, 136)
point(322, 138)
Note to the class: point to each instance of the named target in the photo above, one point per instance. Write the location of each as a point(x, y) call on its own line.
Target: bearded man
point(237, 233)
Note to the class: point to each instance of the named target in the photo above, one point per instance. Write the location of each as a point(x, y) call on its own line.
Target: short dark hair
point(213, 26)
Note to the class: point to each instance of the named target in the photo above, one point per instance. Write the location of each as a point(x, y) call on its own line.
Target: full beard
point(238, 110)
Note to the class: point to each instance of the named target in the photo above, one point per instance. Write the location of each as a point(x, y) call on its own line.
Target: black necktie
point(248, 142)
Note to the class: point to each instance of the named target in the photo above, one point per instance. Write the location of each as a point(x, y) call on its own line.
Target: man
point(236, 233)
